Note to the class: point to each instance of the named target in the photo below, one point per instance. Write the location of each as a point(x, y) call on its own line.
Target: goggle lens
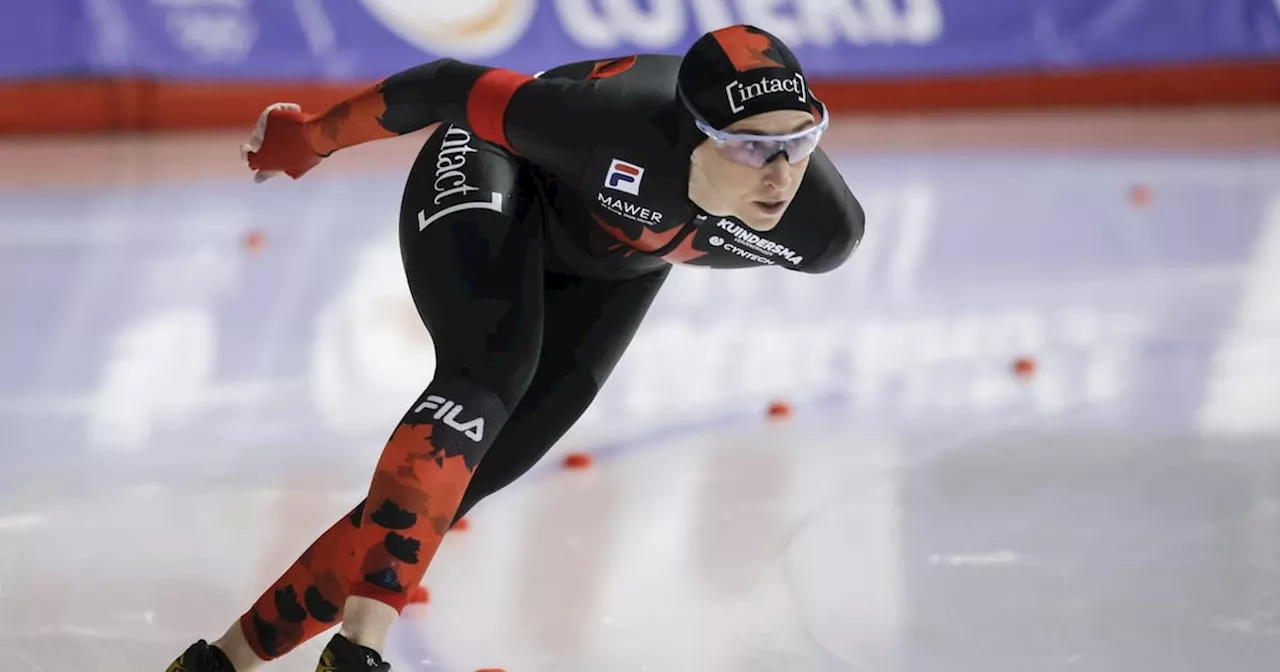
point(758, 150)
point(757, 153)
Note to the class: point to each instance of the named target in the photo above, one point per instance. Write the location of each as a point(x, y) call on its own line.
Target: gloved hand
point(279, 144)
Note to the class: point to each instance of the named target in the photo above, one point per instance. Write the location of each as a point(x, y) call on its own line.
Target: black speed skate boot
point(201, 657)
point(343, 655)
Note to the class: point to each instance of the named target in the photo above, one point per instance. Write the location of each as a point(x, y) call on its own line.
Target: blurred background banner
point(349, 40)
point(112, 65)
point(48, 37)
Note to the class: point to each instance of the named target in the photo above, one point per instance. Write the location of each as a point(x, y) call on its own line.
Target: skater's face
point(757, 196)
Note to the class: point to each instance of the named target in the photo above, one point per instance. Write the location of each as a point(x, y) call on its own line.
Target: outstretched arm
point(553, 123)
point(402, 103)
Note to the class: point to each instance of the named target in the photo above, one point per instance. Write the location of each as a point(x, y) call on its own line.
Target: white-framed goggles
point(757, 150)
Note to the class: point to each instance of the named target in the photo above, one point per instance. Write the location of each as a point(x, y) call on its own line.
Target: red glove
point(279, 144)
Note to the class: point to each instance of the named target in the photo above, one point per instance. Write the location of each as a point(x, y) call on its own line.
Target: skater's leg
point(588, 325)
point(306, 600)
point(302, 603)
point(471, 239)
point(475, 274)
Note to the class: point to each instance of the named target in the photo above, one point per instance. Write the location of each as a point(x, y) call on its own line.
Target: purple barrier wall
point(344, 40)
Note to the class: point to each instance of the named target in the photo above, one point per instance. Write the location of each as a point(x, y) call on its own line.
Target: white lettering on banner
point(661, 26)
point(827, 22)
point(739, 94)
point(616, 23)
point(631, 211)
point(468, 29)
point(449, 411)
point(586, 26)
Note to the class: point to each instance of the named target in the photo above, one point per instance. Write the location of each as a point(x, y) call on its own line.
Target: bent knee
point(506, 375)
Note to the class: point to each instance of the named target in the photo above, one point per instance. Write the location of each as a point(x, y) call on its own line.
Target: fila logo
point(739, 93)
point(448, 412)
point(624, 177)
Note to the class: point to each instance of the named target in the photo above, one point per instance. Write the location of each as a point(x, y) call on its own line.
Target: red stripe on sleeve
point(487, 104)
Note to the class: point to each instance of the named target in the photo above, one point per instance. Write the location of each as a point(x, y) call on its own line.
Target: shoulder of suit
point(829, 204)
